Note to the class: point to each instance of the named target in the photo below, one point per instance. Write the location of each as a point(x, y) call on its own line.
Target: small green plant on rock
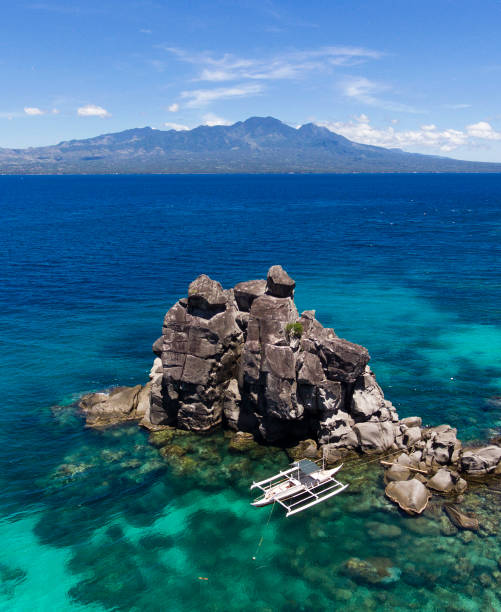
point(294, 330)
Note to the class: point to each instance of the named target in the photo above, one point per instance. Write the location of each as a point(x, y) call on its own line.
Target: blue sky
point(421, 75)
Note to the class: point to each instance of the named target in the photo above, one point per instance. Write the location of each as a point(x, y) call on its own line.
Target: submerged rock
point(162, 437)
point(460, 520)
point(306, 448)
point(411, 495)
point(242, 442)
point(376, 570)
point(10, 578)
point(383, 531)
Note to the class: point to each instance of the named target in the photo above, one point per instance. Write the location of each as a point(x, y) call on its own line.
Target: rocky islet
point(245, 360)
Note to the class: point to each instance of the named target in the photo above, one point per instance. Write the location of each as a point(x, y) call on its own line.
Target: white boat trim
point(262, 482)
point(317, 501)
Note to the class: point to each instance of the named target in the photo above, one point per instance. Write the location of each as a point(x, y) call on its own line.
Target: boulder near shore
point(244, 359)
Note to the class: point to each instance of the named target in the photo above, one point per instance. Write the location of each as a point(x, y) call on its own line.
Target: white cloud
point(10, 115)
point(457, 106)
point(179, 127)
point(291, 65)
point(55, 111)
point(91, 110)
point(483, 130)
point(202, 97)
point(33, 110)
point(364, 132)
point(366, 91)
point(212, 119)
point(173, 108)
point(426, 137)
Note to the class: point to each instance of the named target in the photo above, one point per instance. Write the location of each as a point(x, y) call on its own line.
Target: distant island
point(257, 145)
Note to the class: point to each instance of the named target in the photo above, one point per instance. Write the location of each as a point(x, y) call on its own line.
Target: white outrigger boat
point(298, 488)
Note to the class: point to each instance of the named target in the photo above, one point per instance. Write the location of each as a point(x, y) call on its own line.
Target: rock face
point(244, 358)
point(279, 283)
point(200, 348)
point(442, 446)
point(368, 403)
point(247, 292)
point(445, 481)
point(375, 437)
point(481, 461)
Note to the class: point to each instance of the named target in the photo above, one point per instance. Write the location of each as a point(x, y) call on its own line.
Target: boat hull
point(284, 494)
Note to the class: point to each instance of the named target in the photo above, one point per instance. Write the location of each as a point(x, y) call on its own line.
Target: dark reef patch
point(10, 578)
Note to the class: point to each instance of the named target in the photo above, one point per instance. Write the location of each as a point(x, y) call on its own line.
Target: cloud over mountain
point(259, 144)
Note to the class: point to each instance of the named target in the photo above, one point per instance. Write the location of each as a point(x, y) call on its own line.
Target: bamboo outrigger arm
point(279, 475)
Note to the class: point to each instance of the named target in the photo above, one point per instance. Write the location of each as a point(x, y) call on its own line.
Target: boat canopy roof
point(307, 467)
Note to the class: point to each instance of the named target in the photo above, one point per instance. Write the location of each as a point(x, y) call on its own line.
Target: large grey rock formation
point(247, 292)
point(244, 358)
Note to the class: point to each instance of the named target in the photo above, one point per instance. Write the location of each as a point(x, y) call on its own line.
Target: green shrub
point(294, 330)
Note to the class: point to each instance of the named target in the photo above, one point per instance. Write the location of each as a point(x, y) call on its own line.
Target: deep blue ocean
point(407, 265)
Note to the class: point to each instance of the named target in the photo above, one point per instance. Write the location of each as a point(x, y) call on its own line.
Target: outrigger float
point(304, 485)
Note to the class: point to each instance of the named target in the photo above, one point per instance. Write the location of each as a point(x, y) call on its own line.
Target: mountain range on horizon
point(257, 145)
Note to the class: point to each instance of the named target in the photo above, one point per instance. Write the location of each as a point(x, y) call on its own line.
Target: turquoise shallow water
point(409, 266)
